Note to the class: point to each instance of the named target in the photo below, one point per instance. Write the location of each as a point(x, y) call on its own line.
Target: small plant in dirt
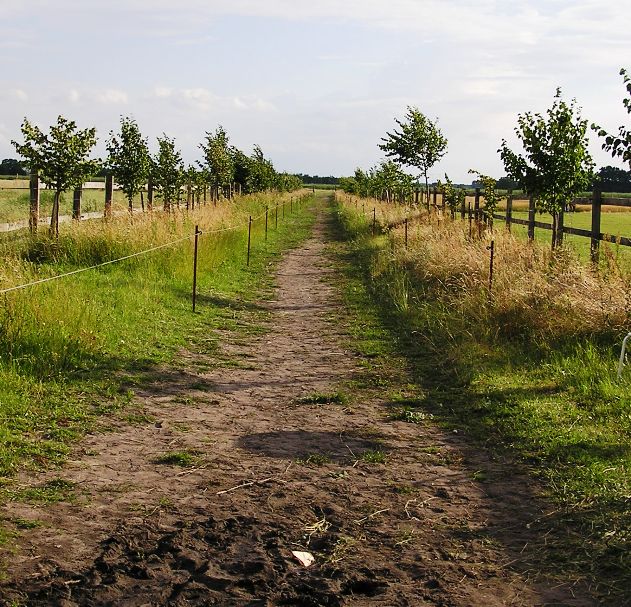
point(25, 523)
point(410, 415)
point(55, 490)
point(404, 536)
point(139, 418)
point(185, 459)
point(404, 489)
point(373, 456)
point(320, 398)
point(342, 547)
point(480, 476)
point(314, 459)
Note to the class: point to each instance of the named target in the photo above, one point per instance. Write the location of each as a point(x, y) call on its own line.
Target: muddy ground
point(395, 513)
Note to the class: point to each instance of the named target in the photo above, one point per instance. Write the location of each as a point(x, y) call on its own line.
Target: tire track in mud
point(272, 473)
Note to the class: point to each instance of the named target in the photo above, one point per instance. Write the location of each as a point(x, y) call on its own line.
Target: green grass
point(68, 347)
point(558, 409)
point(53, 491)
point(314, 460)
point(184, 459)
point(616, 224)
point(373, 456)
point(409, 415)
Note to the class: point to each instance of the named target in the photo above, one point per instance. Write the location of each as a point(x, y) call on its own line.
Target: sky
point(315, 83)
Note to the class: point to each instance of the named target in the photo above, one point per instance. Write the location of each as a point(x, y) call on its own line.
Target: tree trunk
point(54, 217)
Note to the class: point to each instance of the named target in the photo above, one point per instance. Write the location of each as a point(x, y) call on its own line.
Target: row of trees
point(417, 143)
point(62, 160)
point(554, 167)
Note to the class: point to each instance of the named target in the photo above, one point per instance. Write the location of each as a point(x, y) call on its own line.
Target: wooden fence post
point(476, 204)
point(416, 197)
point(109, 190)
point(559, 231)
point(197, 233)
point(509, 209)
point(76, 203)
point(531, 218)
point(434, 194)
point(443, 202)
point(470, 219)
point(33, 218)
point(150, 195)
point(249, 238)
point(597, 199)
point(463, 207)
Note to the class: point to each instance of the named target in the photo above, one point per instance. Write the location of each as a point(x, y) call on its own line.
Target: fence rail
point(597, 201)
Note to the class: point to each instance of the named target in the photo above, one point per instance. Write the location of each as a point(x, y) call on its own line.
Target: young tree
point(218, 159)
point(242, 168)
point(557, 164)
point(619, 145)
point(262, 173)
point(60, 157)
point(167, 170)
point(128, 159)
point(454, 197)
point(390, 182)
point(419, 143)
point(491, 196)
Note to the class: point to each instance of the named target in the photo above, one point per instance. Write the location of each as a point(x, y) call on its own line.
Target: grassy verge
point(529, 375)
point(67, 346)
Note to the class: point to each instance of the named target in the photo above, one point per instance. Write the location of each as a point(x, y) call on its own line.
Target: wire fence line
point(137, 254)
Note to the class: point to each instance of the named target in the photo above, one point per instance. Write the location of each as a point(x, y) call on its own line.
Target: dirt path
point(271, 474)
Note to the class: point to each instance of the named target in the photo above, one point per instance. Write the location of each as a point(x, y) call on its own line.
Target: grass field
point(530, 373)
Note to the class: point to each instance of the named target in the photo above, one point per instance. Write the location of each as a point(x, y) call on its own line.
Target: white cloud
point(73, 96)
point(19, 94)
point(112, 97)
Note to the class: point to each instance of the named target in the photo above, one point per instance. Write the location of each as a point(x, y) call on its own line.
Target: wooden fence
point(108, 188)
point(596, 201)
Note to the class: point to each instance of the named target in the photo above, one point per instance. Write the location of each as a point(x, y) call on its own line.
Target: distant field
point(616, 223)
point(14, 203)
point(320, 186)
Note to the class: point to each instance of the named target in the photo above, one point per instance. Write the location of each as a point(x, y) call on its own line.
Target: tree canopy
point(556, 165)
point(12, 166)
point(418, 143)
point(128, 158)
point(61, 157)
point(619, 145)
point(167, 170)
point(218, 160)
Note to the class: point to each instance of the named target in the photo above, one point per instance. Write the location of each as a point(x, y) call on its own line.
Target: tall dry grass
point(542, 296)
point(88, 243)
